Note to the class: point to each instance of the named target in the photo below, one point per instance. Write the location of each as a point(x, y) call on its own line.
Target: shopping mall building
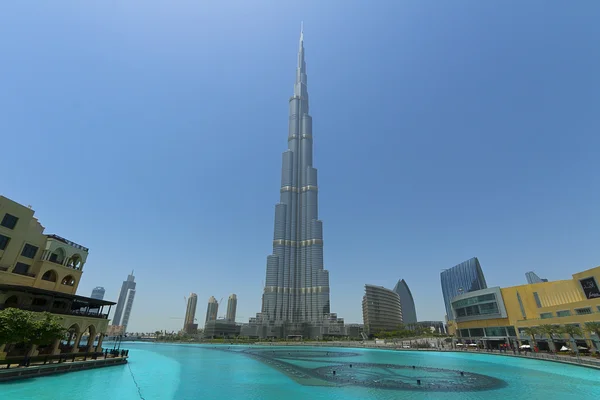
point(495, 316)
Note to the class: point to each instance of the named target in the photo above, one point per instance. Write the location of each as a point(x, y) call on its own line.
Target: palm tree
point(531, 332)
point(593, 327)
point(549, 331)
point(572, 331)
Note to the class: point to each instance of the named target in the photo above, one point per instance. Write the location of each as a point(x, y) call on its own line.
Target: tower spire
point(300, 87)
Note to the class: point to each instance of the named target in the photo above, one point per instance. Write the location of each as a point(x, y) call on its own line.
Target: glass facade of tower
point(409, 313)
point(462, 278)
point(98, 293)
point(533, 278)
point(295, 301)
point(296, 285)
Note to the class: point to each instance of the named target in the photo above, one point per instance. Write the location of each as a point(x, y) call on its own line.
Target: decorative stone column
point(76, 344)
point(56, 347)
point(99, 347)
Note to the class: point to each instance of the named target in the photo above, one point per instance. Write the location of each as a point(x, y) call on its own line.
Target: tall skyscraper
point(212, 309)
point(533, 278)
point(462, 278)
point(409, 313)
point(231, 308)
point(98, 293)
point(296, 293)
point(190, 313)
point(125, 302)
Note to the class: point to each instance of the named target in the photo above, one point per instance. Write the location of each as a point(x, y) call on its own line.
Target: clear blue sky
point(152, 133)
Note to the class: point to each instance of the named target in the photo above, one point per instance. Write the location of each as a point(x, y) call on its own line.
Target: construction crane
point(185, 302)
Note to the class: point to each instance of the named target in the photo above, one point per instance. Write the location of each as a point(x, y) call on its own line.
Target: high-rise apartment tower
point(212, 309)
point(125, 302)
point(231, 308)
point(190, 313)
point(98, 293)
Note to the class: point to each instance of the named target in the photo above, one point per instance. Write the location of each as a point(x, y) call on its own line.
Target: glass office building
point(533, 278)
point(462, 278)
point(409, 313)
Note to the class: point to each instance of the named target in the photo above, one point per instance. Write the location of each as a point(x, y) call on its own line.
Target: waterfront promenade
point(30, 367)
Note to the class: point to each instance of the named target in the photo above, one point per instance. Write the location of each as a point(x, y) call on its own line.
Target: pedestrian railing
point(25, 361)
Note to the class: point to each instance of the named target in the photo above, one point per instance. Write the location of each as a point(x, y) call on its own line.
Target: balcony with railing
point(65, 241)
point(78, 313)
point(43, 300)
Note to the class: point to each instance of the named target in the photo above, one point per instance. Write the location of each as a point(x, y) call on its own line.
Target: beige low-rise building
point(40, 272)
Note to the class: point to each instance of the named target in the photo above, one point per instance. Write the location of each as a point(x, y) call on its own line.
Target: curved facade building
point(381, 309)
point(407, 303)
point(462, 278)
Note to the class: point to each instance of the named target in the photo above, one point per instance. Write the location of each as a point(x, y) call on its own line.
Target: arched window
point(68, 281)
point(75, 262)
point(49, 276)
point(58, 256)
point(12, 301)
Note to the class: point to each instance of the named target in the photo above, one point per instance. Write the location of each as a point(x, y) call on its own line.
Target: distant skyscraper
point(409, 313)
point(381, 309)
point(125, 302)
point(98, 293)
point(533, 278)
point(190, 312)
point(462, 278)
point(231, 308)
point(212, 310)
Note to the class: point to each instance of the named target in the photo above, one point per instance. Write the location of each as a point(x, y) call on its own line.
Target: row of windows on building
point(567, 313)
point(497, 331)
point(478, 305)
point(28, 251)
point(489, 332)
point(479, 309)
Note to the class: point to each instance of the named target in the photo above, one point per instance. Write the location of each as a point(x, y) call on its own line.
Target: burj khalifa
point(296, 294)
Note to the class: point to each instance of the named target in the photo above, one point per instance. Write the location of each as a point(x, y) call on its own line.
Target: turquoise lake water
point(185, 372)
